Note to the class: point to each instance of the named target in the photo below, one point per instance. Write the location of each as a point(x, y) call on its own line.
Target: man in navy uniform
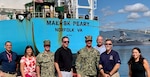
point(109, 61)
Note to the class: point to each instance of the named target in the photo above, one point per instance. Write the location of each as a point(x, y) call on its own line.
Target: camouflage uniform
point(87, 62)
point(46, 63)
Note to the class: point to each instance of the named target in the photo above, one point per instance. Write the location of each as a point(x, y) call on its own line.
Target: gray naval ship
point(121, 38)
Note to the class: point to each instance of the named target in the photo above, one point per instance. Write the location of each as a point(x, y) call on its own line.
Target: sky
point(124, 14)
point(113, 14)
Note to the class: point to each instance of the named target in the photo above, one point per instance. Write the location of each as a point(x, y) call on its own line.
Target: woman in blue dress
point(138, 65)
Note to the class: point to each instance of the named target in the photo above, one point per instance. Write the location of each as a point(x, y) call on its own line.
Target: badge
point(111, 57)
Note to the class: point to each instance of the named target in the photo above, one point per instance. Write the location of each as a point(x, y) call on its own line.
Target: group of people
point(98, 61)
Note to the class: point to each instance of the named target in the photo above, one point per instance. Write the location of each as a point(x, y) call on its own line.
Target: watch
point(100, 68)
point(109, 74)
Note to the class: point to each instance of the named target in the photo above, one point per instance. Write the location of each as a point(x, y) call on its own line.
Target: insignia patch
point(111, 57)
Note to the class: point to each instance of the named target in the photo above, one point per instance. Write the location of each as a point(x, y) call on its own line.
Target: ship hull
point(34, 31)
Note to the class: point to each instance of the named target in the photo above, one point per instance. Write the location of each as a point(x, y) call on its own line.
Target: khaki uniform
point(3, 74)
point(10, 75)
point(46, 63)
point(116, 75)
point(87, 62)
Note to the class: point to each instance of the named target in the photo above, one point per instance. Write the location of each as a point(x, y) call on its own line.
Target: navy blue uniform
point(108, 61)
point(8, 66)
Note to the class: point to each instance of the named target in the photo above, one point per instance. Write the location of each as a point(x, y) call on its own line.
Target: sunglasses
point(46, 45)
point(65, 41)
point(108, 44)
point(89, 40)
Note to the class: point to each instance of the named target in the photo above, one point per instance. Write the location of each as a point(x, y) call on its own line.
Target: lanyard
point(9, 56)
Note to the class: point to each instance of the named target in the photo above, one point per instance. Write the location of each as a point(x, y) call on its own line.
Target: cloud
point(121, 11)
point(106, 11)
point(135, 11)
point(17, 4)
point(147, 14)
point(134, 21)
point(131, 20)
point(110, 25)
point(133, 16)
point(138, 7)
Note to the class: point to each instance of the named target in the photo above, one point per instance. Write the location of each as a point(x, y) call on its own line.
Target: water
point(125, 54)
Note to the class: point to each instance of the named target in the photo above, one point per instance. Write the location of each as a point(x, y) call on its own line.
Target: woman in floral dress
point(28, 63)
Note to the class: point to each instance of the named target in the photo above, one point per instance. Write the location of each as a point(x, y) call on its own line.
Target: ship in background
point(49, 19)
point(136, 38)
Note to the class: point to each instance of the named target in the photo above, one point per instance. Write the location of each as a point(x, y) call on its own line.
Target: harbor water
point(125, 54)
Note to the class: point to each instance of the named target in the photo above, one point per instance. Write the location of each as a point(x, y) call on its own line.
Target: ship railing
point(37, 14)
point(56, 15)
point(42, 15)
point(84, 16)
